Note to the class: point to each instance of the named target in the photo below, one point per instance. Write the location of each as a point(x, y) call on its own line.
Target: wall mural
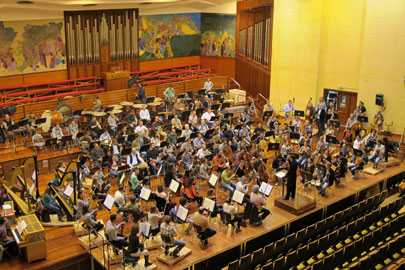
point(218, 34)
point(169, 35)
point(32, 47)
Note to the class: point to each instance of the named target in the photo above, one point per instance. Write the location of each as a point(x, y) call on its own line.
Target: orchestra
point(189, 147)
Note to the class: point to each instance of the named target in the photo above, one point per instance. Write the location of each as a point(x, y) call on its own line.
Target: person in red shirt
point(219, 162)
point(191, 192)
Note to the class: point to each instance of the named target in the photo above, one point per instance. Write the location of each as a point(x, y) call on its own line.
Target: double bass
point(229, 154)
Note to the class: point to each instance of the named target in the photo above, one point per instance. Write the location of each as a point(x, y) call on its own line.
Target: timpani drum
point(51, 117)
point(138, 106)
point(99, 114)
point(126, 103)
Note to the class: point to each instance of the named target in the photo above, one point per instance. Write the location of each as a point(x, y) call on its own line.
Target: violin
point(229, 154)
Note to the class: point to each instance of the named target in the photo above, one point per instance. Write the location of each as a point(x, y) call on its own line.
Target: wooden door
point(346, 103)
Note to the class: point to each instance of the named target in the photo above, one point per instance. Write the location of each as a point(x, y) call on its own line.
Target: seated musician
point(205, 168)
point(155, 139)
point(359, 164)
point(100, 179)
point(85, 141)
point(4, 196)
point(296, 123)
point(171, 232)
point(358, 144)
point(308, 128)
point(176, 123)
point(260, 203)
point(187, 159)
point(351, 121)
point(285, 149)
point(344, 151)
point(116, 239)
point(232, 210)
point(97, 105)
point(179, 107)
point(330, 131)
point(135, 248)
point(193, 119)
point(112, 121)
point(143, 132)
point(201, 220)
point(308, 167)
point(243, 186)
point(157, 126)
point(191, 192)
point(57, 133)
point(134, 160)
point(82, 202)
point(50, 203)
point(32, 126)
point(207, 116)
point(73, 129)
point(186, 132)
point(97, 155)
point(95, 126)
point(328, 179)
point(226, 180)
point(114, 172)
point(378, 117)
point(378, 154)
point(321, 147)
point(268, 107)
point(134, 208)
point(154, 217)
point(312, 111)
point(136, 143)
point(131, 119)
point(172, 137)
point(205, 103)
point(305, 152)
point(152, 156)
point(5, 240)
point(228, 133)
point(105, 139)
point(219, 162)
point(371, 138)
point(198, 142)
point(203, 152)
point(203, 127)
point(6, 125)
point(89, 218)
point(259, 129)
point(144, 114)
point(134, 182)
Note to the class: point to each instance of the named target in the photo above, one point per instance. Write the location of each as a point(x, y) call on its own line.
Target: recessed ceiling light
point(89, 5)
point(25, 2)
point(145, 3)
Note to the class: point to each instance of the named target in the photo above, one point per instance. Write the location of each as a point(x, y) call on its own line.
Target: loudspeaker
point(379, 99)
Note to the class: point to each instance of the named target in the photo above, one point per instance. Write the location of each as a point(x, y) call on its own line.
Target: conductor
point(291, 178)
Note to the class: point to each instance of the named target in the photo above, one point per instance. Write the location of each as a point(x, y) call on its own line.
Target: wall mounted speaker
point(379, 99)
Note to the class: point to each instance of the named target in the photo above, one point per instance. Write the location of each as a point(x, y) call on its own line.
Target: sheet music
point(21, 226)
point(144, 228)
point(174, 186)
point(109, 202)
point(32, 188)
point(182, 213)
point(68, 191)
point(238, 196)
point(281, 174)
point(145, 194)
point(213, 180)
point(265, 189)
point(209, 204)
point(6, 206)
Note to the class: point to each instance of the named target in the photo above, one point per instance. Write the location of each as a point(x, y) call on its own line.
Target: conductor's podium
point(94, 241)
point(170, 260)
point(154, 243)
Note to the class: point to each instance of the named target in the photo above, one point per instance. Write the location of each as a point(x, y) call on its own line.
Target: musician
point(135, 248)
point(186, 132)
point(371, 138)
point(260, 203)
point(134, 182)
point(344, 151)
point(208, 85)
point(358, 144)
point(191, 193)
point(50, 203)
point(169, 94)
point(119, 197)
point(201, 220)
point(116, 239)
point(155, 139)
point(379, 120)
point(321, 101)
point(134, 208)
point(208, 115)
point(114, 168)
point(273, 123)
point(144, 114)
point(308, 167)
point(198, 142)
point(105, 139)
point(113, 123)
point(97, 105)
point(205, 168)
point(243, 186)
point(289, 108)
point(176, 122)
point(187, 144)
point(172, 137)
point(193, 119)
point(312, 111)
point(359, 164)
point(228, 133)
point(285, 149)
point(244, 133)
point(203, 151)
point(328, 179)
point(7, 242)
point(232, 210)
point(296, 123)
point(57, 133)
point(351, 121)
point(203, 127)
point(143, 132)
point(73, 129)
point(6, 125)
point(171, 232)
point(134, 160)
point(305, 152)
point(320, 118)
point(97, 155)
point(179, 107)
point(259, 129)
point(291, 178)
point(95, 127)
point(226, 180)
point(187, 159)
point(321, 147)
point(330, 131)
point(268, 107)
point(205, 103)
point(362, 108)
point(31, 122)
point(82, 201)
point(152, 155)
point(378, 154)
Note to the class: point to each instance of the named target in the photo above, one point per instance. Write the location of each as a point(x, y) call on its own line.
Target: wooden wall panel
point(11, 80)
point(252, 77)
point(185, 60)
point(219, 65)
point(41, 77)
point(167, 63)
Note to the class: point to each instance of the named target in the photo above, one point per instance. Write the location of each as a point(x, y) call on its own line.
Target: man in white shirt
point(203, 152)
point(357, 144)
point(208, 85)
point(378, 154)
point(142, 132)
point(198, 142)
point(243, 185)
point(232, 211)
point(144, 114)
point(135, 160)
point(117, 240)
point(207, 115)
point(119, 197)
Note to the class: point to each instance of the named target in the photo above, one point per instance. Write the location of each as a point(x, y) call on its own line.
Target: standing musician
point(97, 105)
point(141, 93)
point(113, 123)
point(268, 107)
point(378, 121)
point(169, 94)
point(291, 177)
point(208, 85)
point(363, 110)
point(289, 108)
point(310, 112)
point(320, 118)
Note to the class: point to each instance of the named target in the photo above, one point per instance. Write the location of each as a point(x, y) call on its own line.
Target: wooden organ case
point(98, 40)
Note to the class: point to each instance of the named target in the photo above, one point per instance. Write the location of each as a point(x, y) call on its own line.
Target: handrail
point(92, 230)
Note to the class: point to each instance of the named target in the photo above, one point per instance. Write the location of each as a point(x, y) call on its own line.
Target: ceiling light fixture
point(25, 2)
point(145, 3)
point(89, 5)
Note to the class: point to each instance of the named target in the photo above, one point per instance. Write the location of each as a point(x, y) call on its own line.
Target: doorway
point(346, 102)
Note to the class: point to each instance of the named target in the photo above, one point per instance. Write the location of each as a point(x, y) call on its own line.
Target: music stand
point(254, 137)
point(109, 109)
point(332, 139)
point(150, 99)
point(357, 152)
point(215, 107)
point(185, 115)
point(121, 140)
point(181, 140)
point(294, 136)
point(226, 105)
point(209, 133)
point(372, 143)
point(227, 115)
point(295, 155)
point(267, 114)
point(66, 139)
point(40, 121)
point(269, 133)
point(131, 137)
point(183, 95)
point(238, 127)
point(193, 135)
point(321, 167)
point(273, 146)
point(144, 148)
point(335, 123)
point(163, 144)
point(363, 119)
point(299, 113)
point(201, 92)
point(126, 151)
point(23, 122)
point(51, 142)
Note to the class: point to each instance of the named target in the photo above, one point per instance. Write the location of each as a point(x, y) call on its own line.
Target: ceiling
point(42, 9)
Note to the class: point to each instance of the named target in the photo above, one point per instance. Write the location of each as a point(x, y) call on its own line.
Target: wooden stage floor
point(62, 244)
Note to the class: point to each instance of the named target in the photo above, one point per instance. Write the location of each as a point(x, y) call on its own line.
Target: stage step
point(95, 241)
point(170, 260)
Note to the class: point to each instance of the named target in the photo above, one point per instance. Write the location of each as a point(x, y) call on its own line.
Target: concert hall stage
point(64, 249)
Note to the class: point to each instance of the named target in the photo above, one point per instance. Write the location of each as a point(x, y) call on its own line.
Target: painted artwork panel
point(218, 34)
point(169, 35)
point(37, 46)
